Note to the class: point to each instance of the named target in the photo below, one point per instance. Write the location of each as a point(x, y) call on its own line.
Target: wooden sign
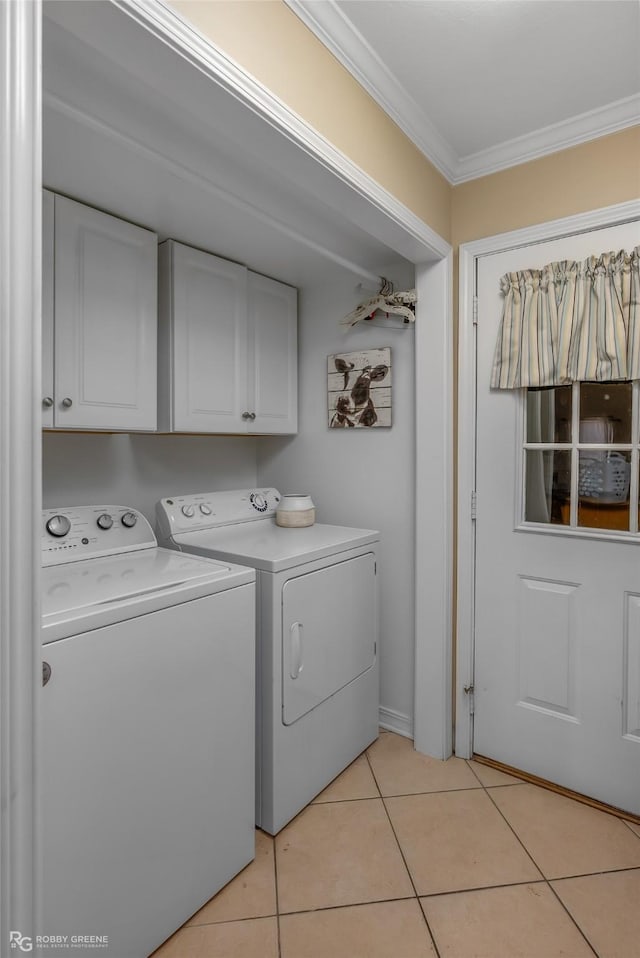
point(359, 389)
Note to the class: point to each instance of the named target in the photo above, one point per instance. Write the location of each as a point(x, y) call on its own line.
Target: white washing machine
point(147, 734)
point(317, 635)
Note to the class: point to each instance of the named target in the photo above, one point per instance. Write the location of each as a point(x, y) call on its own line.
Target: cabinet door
point(105, 321)
point(47, 308)
point(208, 319)
point(273, 359)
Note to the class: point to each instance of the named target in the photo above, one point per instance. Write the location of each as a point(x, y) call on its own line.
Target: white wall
point(358, 477)
point(137, 470)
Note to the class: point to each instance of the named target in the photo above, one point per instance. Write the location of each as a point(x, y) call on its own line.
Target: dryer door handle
point(295, 634)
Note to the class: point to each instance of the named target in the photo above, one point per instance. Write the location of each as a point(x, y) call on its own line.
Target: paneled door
point(105, 325)
point(557, 607)
point(203, 325)
point(273, 355)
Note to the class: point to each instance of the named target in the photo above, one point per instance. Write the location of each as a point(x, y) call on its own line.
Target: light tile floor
point(403, 856)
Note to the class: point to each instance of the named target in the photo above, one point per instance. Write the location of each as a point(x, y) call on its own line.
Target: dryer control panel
point(86, 532)
point(208, 510)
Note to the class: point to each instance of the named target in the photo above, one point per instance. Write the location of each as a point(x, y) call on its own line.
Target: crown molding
point(334, 30)
point(559, 136)
point(349, 47)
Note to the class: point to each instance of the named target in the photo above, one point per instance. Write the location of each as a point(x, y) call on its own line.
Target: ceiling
point(480, 85)
point(132, 127)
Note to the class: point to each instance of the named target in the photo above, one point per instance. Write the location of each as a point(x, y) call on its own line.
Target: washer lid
point(272, 548)
point(87, 594)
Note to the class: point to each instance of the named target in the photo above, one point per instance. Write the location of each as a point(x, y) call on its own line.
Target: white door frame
point(20, 463)
point(20, 436)
point(433, 707)
point(469, 254)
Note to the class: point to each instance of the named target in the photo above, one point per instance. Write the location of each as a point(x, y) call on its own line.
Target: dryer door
point(328, 632)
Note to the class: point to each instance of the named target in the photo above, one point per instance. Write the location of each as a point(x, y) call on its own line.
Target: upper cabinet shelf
point(99, 320)
point(227, 347)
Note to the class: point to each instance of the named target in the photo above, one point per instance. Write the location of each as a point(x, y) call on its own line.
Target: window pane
point(549, 414)
point(605, 412)
point(603, 489)
point(547, 486)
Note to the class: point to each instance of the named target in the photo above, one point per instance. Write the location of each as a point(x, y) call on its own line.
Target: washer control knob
point(58, 526)
point(258, 501)
point(105, 521)
point(129, 520)
point(205, 509)
point(188, 511)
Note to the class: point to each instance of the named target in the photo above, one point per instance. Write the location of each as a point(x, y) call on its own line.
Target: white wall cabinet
point(228, 346)
point(48, 229)
point(272, 338)
point(99, 320)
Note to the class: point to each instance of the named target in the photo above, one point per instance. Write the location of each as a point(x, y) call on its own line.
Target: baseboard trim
point(558, 789)
point(394, 721)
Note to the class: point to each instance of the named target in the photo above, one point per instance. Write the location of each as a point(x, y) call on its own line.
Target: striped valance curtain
point(570, 322)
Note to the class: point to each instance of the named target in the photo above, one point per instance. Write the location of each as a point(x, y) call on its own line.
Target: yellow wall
point(595, 174)
point(267, 40)
point(273, 45)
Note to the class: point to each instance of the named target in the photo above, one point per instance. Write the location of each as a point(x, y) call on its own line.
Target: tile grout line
point(582, 932)
point(275, 878)
point(473, 771)
point(436, 791)
point(417, 897)
point(631, 828)
point(435, 894)
point(546, 880)
point(488, 789)
point(353, 904)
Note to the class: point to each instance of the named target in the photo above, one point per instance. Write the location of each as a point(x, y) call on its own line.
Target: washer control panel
point(208, 510)
point(86, 532)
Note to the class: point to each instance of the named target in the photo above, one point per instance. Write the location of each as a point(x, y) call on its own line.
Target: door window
point(581, 451)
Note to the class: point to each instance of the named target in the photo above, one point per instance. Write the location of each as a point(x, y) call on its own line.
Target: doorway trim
point(20, 462)
point(469, 254)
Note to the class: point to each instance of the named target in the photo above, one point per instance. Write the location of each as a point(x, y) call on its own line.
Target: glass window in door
point(581, 454)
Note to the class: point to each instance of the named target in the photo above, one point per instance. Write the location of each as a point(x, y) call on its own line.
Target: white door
point(105, 321)
point(273, 357)
point(206, 312)
point(557, 613)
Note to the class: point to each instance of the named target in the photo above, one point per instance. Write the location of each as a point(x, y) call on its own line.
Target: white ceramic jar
point(295, 511)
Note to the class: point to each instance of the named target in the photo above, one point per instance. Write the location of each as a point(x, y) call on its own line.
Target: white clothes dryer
point(317, 637)
point(147, 799)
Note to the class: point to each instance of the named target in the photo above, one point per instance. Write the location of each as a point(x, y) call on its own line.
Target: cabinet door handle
point(296, 665)
point(252, 416)
point(246, 415)
point(47, 402)
point(66, 402)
